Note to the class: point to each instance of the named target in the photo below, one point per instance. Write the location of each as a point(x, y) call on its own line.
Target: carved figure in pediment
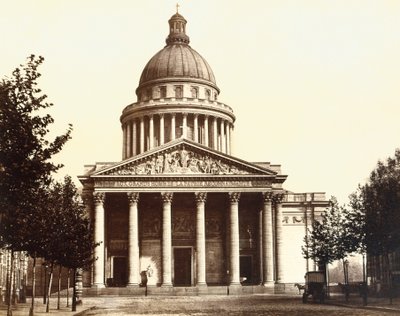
point(167, 162)
point(193, 164)
point(159, 165)
point(184, 156)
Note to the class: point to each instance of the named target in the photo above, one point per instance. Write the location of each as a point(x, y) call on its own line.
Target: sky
point(314, 85)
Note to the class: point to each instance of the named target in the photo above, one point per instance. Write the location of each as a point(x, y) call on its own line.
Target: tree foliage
point(329, 240)
point(25, 155)
point(379, 202)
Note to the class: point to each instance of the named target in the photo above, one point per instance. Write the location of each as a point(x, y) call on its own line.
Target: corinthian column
point(142, 134)
point(278, 236)
point(134, 138)
point(195, 128)
point(206, 130)
point(133, 240)
point(201, 237)
point(223, 142)
point(215, 134)
point(98, 266)
point(166, 239)
point(268, 245)
point(184, 125)
point(173, 126)
point(234, 238)
point(128, 140)
point(151, 131)
point(162, 129)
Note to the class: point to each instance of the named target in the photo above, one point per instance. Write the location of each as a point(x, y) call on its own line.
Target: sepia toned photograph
point(196, 157)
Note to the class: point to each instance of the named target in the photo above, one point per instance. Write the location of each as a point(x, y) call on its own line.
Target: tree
point(326, 240)
point(378, 202)
point(25, 155)
point(69, 241)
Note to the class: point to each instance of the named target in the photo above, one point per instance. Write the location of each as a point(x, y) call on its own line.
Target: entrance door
point(182, 266)
point(246, 270)
point(120, 271)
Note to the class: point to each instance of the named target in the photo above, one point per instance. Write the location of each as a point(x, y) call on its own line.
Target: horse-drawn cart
point(315, 286)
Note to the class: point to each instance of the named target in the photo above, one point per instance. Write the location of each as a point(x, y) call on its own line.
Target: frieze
point(293, 220)
point(180, 161)
point(182, 183)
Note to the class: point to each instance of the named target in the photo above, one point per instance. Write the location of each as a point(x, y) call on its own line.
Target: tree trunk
point(59, 287)
point(74, 290)
point(68, 285)
point(32, 309)
point(389, 277)
point(10, 283)
point(49, 288)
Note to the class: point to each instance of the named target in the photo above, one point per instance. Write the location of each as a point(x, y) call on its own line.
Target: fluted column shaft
point(151, 132)
point(142, 134)
point(124, 141)
point(231, 139)
point(206, 141)
point(184, 125)
point(98, 266)
point(166, 239)
point(201, 237)
point(129, 140)
point(133, 240)
point(228, 138)
point(278, 237)
point(223, 143)
point(268, 245)
point(196, 128)
point(134, 138)
point(173, 126)
point(162, 138)
point(215, 134)
point(234, 238)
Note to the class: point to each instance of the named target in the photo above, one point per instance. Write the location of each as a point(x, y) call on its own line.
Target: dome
point(177, 60)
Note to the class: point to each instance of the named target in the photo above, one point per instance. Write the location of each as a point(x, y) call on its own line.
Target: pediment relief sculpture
point(180, 161)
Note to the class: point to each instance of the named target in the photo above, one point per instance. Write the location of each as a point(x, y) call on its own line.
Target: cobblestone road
point(219, 305)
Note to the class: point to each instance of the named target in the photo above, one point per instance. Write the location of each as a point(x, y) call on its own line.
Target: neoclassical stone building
point(179, 207)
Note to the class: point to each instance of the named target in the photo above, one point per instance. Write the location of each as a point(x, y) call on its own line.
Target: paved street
point(219, 305)
point(206, 305)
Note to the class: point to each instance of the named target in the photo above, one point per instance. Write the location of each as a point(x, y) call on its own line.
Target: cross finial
point(177, 8)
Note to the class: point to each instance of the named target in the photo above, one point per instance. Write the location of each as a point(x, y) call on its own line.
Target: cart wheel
point(304, 298)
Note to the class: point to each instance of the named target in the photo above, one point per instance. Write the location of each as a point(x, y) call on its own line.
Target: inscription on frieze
point(180, 161)
point(183, 184)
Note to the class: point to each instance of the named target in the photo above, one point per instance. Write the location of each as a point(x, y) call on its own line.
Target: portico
point(184, 210)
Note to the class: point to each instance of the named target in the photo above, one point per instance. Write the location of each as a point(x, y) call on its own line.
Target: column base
point(202, 284)
point(132, 285)
point(166, 285)
point(98, 286)
point(268, 283)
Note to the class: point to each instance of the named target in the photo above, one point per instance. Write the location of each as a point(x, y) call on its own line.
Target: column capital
point(99, 197)
point(133, 197)
point(167, 197)
point(196, 115)
point(267, 196)
point(278, 197)
point(234, 197)
point(161, 115)
point(200, 197)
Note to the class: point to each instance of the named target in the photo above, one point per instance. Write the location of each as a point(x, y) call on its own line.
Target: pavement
point(94, 303)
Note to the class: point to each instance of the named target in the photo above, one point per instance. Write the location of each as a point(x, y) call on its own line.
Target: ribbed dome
point(177, 61)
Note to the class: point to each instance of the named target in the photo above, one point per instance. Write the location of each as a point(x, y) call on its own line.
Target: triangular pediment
point(183, 157)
